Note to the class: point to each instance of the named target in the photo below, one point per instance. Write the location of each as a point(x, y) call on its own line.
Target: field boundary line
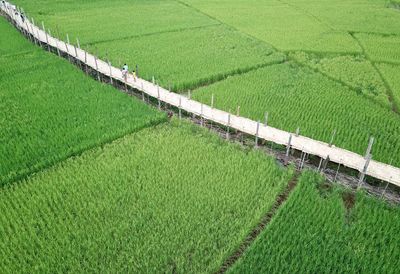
point(287, 52)
point(230, 26)
point(389, 106)
point(308, 14)
point(152, 34)
point(225, 76)
point(78, 153)
point(377, 33)
point(389, 91)
point(262, 224)
point(326, 152)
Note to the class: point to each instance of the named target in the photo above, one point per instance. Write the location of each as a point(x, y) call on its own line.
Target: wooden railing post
point(143, 99)
point(47, 37)
point(97, 68)
point(333, 136)
point(158, 96)
point(288, 145)
point(201, 115)
point(180, 107)
point(58, 50)
point(111, 78)
point(368, 157)
point(33, 31)
point(228, 125)
point(257, 129)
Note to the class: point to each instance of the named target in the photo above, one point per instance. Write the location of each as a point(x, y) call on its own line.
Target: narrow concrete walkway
point(364, 165)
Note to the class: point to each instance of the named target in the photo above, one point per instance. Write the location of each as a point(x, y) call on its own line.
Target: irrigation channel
point(324, 152)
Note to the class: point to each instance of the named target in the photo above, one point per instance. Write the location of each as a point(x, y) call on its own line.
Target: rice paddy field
point(348, 46)
point(51, 111)
point(144, 203)
point(93, 180)
point(325, 230)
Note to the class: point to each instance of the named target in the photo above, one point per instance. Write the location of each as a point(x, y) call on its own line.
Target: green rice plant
point(187, 59)
point(299, 97)
point(100, 20)
point(354, 71)
point(320, 232)
point(15, 42)
point(394, 4)
point(172, 198)
point(51, 111)
point(285, 26)
point(392, 75)
point(381, 48)
point(353, 16)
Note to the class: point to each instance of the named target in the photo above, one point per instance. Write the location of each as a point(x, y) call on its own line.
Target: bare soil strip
point(252, 236)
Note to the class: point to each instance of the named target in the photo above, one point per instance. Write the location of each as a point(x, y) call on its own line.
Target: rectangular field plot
point(172, 198)
point(354, 71)
point(392, 75)
point(298, 97)
point(190, 58)
point(352, 16)
point(381, 48)
point(281, 24)
point(50, 111)
point(14, 43)
point(322, 229)
point(95, 21)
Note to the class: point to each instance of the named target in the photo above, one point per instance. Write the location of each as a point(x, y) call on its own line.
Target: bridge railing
point(364, 164)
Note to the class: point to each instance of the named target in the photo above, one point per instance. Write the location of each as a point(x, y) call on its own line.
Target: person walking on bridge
point(134, 75)
point(125, 71)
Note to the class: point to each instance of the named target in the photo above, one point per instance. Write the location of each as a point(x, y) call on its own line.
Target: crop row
point(392, 75)
point(172, 198)
point(14, 44)
point(323, 229)
point(381, 48)
point(50, 111)
point(190, 58)
point(298, 97)
point(287, 27)
point(101, 20)
point(355, 71)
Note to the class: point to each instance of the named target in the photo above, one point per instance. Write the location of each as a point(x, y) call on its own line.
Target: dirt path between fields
point(256, 231)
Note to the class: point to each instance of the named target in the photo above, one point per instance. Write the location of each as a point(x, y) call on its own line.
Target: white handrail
point(341, 156)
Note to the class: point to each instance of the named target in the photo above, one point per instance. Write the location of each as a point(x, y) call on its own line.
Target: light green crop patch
point(173, 198)
point(354, 71)
point(352, 16)
point(392, 75)
point(299, 97)
point(320, 232)
point(190, 58)
point(51, 111)
point(381, 48)
point(12, 42)
point(93, 21)
point(281, 24)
